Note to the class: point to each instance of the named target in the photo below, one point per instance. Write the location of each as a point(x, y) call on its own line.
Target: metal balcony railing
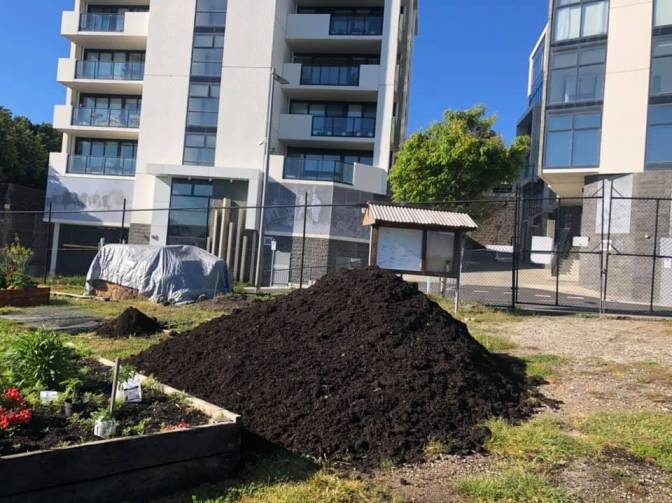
point(111, 166)
point(99, 70)
point(356, 25)
point(101, 22)
point(106, 117)
point(317, 75)
point(347, 127)
point(318, 169)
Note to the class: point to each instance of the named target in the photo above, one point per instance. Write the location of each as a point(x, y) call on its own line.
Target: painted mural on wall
point(289, 220)
point(347, 220)
point(77, 200)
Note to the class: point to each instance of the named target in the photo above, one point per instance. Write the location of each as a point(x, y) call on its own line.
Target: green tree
point(24, 150)
point(457, 159)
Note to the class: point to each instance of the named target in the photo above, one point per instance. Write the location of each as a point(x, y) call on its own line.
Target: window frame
point(583, 5)
point(572, 140)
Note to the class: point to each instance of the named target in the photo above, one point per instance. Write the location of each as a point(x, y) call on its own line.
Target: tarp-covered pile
point(174, 274)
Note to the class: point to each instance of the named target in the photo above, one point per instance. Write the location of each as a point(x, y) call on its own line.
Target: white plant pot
point(105, 428)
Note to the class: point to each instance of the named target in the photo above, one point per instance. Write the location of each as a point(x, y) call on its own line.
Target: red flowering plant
point(13, 410)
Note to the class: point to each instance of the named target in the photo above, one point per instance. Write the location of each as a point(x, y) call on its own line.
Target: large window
point(210, 13)
point(350, 20)
point(324, 165)
point(206, 60)
point(659, 134)
point(189, 213)
point(199, 149)
point(573, 140)
point(537, 82)
point(103, 157)
point(661, 67)
point(663, 12)
point(203, 105)
point(339, 119)
point(107, 111)
point(580, 18)
point(577, 75)
point(111, 65)
point(333, 70)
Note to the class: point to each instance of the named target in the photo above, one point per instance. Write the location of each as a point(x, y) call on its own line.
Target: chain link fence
point(602, 253)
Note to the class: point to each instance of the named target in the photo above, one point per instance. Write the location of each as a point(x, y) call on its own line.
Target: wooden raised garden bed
point(24, 297)
point(127, 468)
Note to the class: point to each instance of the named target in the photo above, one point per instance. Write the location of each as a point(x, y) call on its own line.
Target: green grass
point(542, 441)
point(92, 345)
point(544, 366)
point(513, 484)
point(281, 477)
point(644, 434)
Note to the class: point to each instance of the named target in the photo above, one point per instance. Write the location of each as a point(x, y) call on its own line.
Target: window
point(324, 165)
point(663, 12)
point(658, 144)
point(189, 213)
point(537, 82)
point(199, 149)
point(203, 108)
point(211, 14)
point(103, 157)
point(577, 75)
point(107, 111)
point(339, 119)
point(661, 66)
point(580, 18)
point(207, 56)
point(573, 140)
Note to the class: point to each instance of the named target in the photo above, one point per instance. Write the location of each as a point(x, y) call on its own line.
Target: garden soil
point(361, 367)
point(131, 323)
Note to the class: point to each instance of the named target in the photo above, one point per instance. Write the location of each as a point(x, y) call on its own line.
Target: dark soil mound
point(360, 367)
point(130, 323)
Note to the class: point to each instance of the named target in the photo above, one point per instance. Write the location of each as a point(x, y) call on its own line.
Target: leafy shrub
point(39, 360)
point(14, 261)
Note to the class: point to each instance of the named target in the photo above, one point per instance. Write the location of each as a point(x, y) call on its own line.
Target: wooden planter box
point(25, 297)
point(127, 468)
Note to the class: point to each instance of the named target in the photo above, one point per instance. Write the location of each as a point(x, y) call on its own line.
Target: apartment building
point(603, 126)
point(183, 106)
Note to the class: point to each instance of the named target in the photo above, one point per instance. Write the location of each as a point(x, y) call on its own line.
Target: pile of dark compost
point(361, 367)
point(131, 323)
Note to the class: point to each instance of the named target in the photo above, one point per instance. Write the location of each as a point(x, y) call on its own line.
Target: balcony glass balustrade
point(318, 75)
point(101, 22)
point(100, 70)
point(348, 127)
point(110, 166)
point(106, 117)
point(318, 170)
point(356, 25)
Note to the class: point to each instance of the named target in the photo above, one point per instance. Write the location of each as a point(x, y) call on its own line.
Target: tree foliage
point(457, 159)
point(24, 150)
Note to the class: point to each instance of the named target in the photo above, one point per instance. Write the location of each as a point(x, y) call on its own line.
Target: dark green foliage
point(24, 150)
point(457, 159)
point(39, 360)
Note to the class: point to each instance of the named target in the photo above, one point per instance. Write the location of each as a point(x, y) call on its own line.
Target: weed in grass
point(494, 343)
point(511, 484)
point(434, 448)
point(544, 366)
point(541, 441)
point(645, 434)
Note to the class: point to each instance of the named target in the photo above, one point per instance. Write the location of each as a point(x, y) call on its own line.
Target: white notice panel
point(541, 244)
point(400, 249)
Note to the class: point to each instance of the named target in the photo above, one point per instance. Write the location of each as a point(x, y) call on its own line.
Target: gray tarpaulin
point(175, 274)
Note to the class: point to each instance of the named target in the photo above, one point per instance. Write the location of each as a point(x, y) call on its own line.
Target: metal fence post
point(514, 256)
point(655, 256)
point(303, 240)
point(606, 264)
point(48, 247)
point(602, 294)
point(557, 250)
point(123, 222)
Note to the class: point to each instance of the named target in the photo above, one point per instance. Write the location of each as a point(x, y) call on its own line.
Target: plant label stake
point(115, 382)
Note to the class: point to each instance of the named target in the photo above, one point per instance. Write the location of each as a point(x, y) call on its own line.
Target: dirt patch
point(361, 367)
point(50, 428)
point(131, 323)
point(227, 304)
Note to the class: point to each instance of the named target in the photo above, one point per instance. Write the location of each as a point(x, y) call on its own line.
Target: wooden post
point(115, 382)
point(239, 237)
point(229, 247)
point(243, 259)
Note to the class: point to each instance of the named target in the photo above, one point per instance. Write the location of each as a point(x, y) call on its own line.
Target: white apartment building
point(606, 109)
point(185, 105)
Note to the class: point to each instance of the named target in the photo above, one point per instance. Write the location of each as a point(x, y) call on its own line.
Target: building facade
point(203, 109)
point(603, 128)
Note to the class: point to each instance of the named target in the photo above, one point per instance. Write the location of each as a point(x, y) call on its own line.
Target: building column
point(54, 249)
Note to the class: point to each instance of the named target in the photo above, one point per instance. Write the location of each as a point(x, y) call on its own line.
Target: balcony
point(316, 32)
point(101, 77)
point(101, 166)
point(107, 31)
point(315, 81)
point(319, 131)
point(318, 170)
point(98, 122)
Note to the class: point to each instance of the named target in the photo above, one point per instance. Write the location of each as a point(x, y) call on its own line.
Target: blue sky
point(468, 52)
